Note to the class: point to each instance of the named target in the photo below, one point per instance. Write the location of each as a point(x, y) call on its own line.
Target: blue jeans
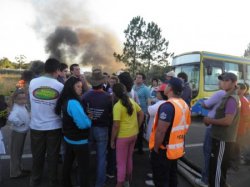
point(206, 152)
point(99, 137)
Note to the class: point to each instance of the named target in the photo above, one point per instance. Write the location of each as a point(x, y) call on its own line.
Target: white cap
point(171, 74)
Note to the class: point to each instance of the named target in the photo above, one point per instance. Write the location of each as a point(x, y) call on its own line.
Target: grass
point(8, 83)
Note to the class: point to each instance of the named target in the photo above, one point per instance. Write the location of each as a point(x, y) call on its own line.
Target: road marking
point(194, 145)
point(7, 157)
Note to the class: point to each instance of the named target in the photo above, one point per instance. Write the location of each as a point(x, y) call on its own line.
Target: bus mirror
point(209, 70)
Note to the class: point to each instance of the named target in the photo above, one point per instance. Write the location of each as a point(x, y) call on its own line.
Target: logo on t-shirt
point(163, 115)
point(45, 93)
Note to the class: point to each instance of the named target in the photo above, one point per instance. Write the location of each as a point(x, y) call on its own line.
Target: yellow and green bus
point(203, 69)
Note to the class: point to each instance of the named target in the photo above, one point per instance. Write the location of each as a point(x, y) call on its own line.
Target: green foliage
point(21, 59)
point(144, 47)
point(6, 63)
point(247, 52)
point(154, 48)
point(158, 72)
point(132, 47)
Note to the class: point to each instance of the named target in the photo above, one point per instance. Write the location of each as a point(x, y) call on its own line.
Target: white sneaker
point(200, 182)
point(150, 175)
point(150, 183)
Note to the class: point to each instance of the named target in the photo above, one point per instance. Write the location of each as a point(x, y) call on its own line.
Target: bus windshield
point(192, 71)
point(211, 80)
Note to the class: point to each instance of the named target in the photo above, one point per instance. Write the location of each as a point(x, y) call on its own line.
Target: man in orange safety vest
point(167, 137)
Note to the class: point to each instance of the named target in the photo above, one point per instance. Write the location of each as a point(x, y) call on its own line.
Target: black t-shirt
point(99, 103)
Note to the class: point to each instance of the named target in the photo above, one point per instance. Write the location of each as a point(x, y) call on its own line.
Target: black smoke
point(62, 43)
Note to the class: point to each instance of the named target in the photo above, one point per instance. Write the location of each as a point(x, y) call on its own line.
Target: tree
point(21, 59)
point(6, 63)
point(132, 47)
point(247, 52)
point(143, 47)
point(154, 49)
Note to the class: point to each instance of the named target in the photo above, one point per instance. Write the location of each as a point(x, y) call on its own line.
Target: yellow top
point(128, 124)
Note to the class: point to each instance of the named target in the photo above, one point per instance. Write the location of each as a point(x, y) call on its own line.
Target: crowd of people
point(68, 116)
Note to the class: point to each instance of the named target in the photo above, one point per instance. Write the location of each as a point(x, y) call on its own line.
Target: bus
point(203, 69)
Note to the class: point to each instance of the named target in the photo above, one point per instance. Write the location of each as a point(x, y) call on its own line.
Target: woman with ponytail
point(127, 118)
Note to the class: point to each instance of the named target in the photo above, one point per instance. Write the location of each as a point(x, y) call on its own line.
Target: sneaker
point(150, 175)
point(150, 183)
point(200, 182)
point(110, 176)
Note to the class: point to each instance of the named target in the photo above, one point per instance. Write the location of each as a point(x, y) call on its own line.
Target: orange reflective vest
point(182, 120)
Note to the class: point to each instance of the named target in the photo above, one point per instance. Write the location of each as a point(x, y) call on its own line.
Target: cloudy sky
point(212, 25)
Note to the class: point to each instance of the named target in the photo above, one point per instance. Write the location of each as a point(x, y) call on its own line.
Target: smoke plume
point(72, 38)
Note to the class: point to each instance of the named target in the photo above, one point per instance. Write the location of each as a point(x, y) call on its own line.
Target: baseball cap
point(161, 88)
point(176, 84)
point(228, 76)
point(171, 74)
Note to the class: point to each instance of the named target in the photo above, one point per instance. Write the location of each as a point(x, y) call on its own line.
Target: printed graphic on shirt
point(97, 113)
point(163, 116)
point(45, 93)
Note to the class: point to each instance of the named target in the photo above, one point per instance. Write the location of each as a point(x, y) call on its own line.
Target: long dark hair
point(120, 92)
point(126, 80)
point(67, 93)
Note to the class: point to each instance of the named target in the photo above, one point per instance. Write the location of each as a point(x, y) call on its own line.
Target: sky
point(220, 26)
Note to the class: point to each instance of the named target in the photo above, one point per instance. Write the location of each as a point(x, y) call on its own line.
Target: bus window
point(193, 74)
point(211, 81)
point(237, 69)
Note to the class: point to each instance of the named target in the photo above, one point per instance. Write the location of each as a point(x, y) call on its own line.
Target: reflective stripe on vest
point(181, 123)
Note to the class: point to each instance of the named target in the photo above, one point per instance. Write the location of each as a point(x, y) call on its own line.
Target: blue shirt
point(143, 95)
point(80, 118)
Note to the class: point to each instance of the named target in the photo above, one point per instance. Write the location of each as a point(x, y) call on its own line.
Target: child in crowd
point(19, 118)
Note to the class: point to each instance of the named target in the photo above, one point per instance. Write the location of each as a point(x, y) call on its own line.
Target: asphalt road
point(194, 154)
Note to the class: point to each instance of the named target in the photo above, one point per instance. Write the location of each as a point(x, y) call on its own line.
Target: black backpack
point(3, 111)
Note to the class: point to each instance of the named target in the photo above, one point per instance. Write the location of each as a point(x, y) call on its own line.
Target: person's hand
point(90, 115)
point(112, 144)
point(206, 121)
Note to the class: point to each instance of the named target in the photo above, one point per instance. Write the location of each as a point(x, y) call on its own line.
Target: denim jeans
point(99, 137)
point(206, 152)
point(111, 157)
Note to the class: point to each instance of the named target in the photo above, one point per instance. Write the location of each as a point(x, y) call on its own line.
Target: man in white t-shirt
point(45, 125)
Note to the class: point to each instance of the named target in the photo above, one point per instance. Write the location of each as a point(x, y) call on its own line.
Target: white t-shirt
point(19, 118)
point(152, 110)
point(44, 93)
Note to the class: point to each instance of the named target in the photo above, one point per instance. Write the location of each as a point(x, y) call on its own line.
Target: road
point(194, 141)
